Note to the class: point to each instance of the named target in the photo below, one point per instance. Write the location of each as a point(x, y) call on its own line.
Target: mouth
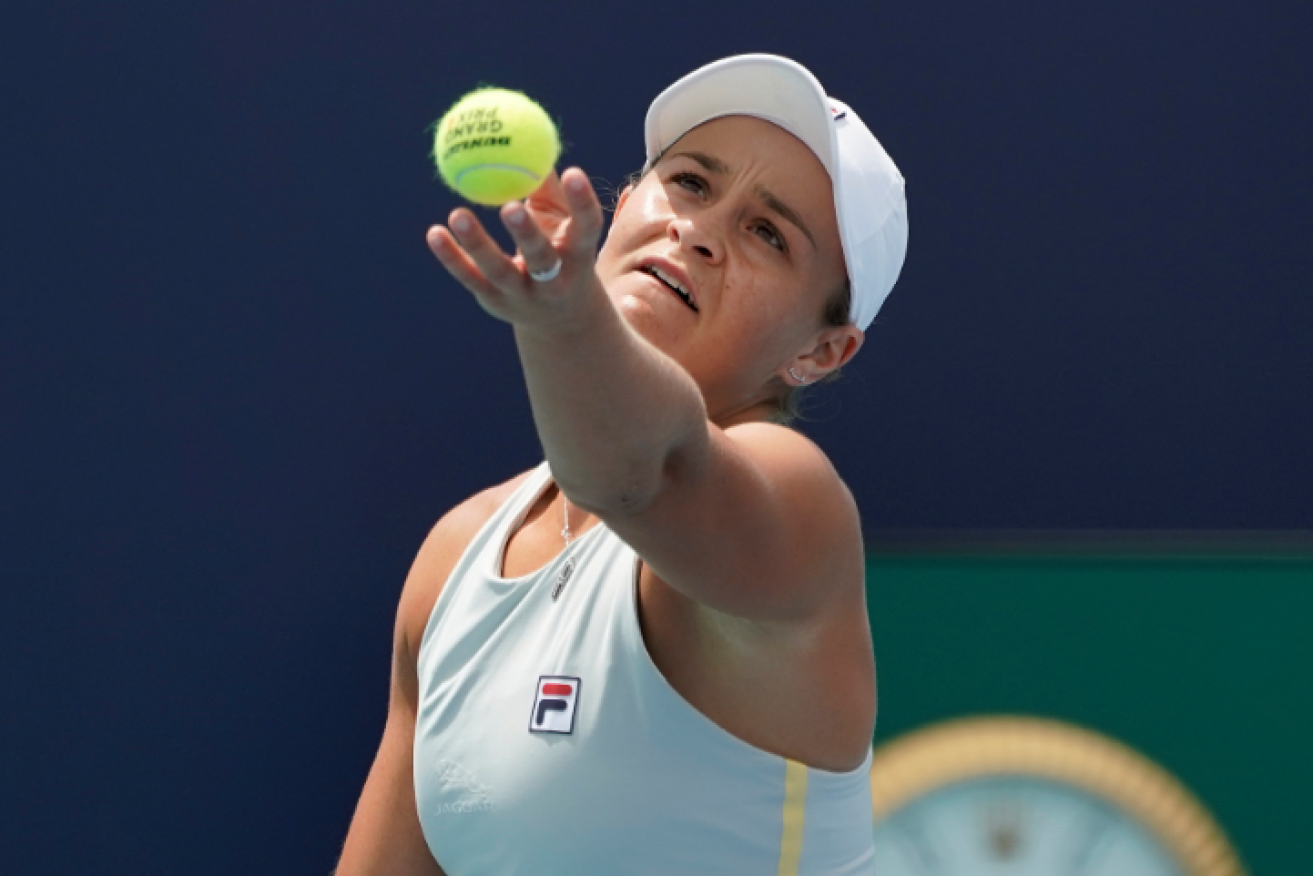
point(670, 283)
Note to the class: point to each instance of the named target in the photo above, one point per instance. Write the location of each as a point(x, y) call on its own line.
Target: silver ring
point(795, 376)
point(548, 275)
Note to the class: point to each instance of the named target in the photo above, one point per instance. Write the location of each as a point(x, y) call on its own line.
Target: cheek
point(623, 238)
point(764, 307)
point(611, 249)
point(770, 322)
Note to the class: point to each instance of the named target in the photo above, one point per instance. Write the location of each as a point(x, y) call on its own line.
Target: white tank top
point(547, 742)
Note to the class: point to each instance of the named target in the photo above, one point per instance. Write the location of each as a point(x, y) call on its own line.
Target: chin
point(651, 320)
point(642, 315)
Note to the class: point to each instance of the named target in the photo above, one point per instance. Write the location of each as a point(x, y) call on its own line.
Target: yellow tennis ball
point(495, 146)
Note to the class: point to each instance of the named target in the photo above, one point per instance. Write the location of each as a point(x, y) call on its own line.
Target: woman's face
point(739, 214)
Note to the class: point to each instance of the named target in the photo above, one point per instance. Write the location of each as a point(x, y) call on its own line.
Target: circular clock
point(1007, 796)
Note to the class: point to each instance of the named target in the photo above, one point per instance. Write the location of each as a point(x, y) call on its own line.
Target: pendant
point(563, 578)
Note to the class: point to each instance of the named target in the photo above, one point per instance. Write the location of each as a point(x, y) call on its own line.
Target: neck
point(761, 408)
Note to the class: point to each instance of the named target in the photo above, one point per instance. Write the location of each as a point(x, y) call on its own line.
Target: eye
point(690, 181)
point(771, 235)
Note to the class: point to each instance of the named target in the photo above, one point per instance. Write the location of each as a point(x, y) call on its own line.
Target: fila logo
point(553, 704)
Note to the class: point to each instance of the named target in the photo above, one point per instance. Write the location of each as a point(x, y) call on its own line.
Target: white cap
point(868, 189)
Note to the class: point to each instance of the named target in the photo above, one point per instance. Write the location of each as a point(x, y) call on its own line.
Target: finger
point(536, 250)
point(486, 254)
point(585, 228)
point(458, 263)
point(549, 197)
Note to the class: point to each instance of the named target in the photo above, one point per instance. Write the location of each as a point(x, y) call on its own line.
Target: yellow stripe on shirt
point(795, 800)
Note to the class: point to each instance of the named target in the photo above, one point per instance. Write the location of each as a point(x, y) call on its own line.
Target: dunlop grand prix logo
point(474, 128)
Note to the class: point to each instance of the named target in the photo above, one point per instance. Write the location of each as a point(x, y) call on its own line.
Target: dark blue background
point(236, 389)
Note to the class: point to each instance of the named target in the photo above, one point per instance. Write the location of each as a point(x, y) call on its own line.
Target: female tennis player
point(650, 655)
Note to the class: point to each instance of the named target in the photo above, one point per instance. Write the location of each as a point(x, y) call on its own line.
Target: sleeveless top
point(548, 743)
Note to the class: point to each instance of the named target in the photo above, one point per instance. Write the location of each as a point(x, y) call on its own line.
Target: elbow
point(624, 494)
point(631, 489)
point(630, 483)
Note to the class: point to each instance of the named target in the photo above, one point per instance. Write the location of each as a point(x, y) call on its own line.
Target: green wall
point(1202, 662)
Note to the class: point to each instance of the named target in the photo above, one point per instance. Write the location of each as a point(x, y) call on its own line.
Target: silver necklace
point(565, 512)
point(563, 576)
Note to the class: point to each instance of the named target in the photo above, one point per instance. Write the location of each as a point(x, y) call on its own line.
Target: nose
point(698, 235)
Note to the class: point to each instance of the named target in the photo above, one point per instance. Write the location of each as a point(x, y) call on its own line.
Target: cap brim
point(769, 87)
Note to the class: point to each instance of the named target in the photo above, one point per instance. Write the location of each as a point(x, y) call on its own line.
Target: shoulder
point(819, 565)
point(786, 452)
point(798, 474)
point(438, 555)
point(755, 524)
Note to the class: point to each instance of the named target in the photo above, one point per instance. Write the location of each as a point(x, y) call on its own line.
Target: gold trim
point(795, 808)
point(969, 748)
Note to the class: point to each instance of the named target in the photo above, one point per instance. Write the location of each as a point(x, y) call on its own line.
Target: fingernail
point(515, 215)
point(461, 223)
point(576, 183)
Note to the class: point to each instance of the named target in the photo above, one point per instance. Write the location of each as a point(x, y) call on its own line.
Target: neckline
point(504, 537)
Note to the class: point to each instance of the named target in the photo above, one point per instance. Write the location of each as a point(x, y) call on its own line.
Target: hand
point(562, 220)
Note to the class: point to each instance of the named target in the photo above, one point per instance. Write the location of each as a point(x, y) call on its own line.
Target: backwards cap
point(868, 189)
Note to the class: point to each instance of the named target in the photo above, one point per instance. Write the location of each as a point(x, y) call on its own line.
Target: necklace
point(563, 576)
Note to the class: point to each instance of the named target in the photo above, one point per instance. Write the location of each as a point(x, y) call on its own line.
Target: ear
point(832, 348)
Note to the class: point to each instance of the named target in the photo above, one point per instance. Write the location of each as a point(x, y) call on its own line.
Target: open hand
point(562, 220)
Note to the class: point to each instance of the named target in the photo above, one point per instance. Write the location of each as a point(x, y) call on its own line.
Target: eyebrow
point(714, 165)
point(710, 162)
point(786, 211)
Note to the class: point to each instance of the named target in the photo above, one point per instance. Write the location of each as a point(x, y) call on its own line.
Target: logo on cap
point(553, 704)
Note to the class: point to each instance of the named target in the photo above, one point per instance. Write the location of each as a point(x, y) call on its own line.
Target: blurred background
point(236, 390)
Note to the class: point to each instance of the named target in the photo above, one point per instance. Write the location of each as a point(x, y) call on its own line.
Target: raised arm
point(750, 520)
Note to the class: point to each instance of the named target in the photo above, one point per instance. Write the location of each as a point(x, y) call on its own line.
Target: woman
point(650, 654)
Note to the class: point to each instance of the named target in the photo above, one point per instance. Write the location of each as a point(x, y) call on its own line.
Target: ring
point(549, 274)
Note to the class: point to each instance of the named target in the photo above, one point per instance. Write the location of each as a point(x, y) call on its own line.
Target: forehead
point(775, 160)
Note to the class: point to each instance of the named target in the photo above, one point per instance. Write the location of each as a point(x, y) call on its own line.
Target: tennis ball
point(495, 146)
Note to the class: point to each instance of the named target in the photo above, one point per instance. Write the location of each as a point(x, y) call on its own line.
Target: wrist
point(579, 317)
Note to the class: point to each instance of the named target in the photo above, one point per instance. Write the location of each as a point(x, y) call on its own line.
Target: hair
point(837, 310)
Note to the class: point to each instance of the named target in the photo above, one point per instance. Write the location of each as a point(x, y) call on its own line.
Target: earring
point(795, 376)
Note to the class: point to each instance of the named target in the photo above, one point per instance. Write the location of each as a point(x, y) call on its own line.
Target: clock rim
point(941, 754)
